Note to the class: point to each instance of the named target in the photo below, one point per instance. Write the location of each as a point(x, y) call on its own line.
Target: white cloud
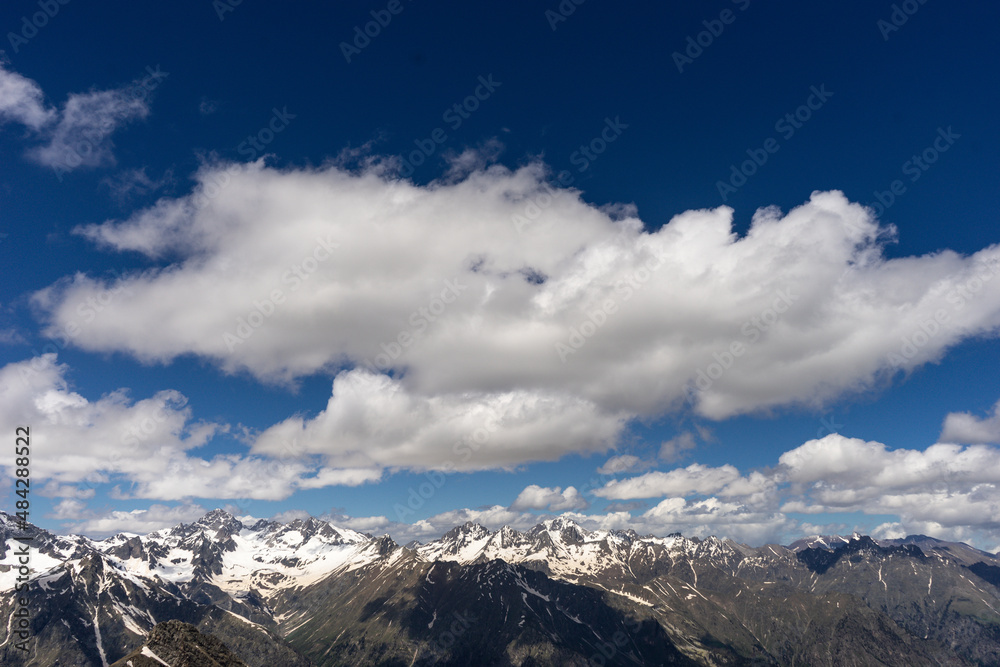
point(22, 101)
point(290, 515)
point(623, 463)
point(535, 497)
point(712, 516)
point(373, 420)
point(139, 521)
point(695, 478)
point(948, 491)
point(85, 440)
point(79, 134)
point(836, 462)
point(673, 449)
point(81, 138)
point(143, 446)
point(493, 517)
point(813, 306)
point(70, 491)
point(964, 427)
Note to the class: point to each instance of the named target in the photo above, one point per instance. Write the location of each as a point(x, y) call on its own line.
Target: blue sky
point(592, 206)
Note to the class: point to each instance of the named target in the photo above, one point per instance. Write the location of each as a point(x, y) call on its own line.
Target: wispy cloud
point(78, 134)
point(22, 101)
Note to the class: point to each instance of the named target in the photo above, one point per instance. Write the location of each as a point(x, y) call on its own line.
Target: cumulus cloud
point(520, 287)
point(84, 440)
point(946, 490)
point(836, 461)
point(144, 445)
point(374, 420)
point(966, 428)
point(712, 516)
point(535, 497)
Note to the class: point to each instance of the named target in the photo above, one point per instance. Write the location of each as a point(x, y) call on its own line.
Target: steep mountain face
point(309, 593)
point(398, 609)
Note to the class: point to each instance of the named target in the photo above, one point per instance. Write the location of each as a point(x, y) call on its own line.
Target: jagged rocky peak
point(568, 530)
point(468, 531)
point(220, 521)
point(263, 524)
point(384, 545)
point(507, 537)
point(330, 533)
point(819, 542)
point(125, 547)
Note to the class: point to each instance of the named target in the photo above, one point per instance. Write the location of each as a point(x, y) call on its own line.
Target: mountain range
point(231, 592)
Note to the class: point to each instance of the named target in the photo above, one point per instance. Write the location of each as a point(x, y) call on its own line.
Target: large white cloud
point(499, 283)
